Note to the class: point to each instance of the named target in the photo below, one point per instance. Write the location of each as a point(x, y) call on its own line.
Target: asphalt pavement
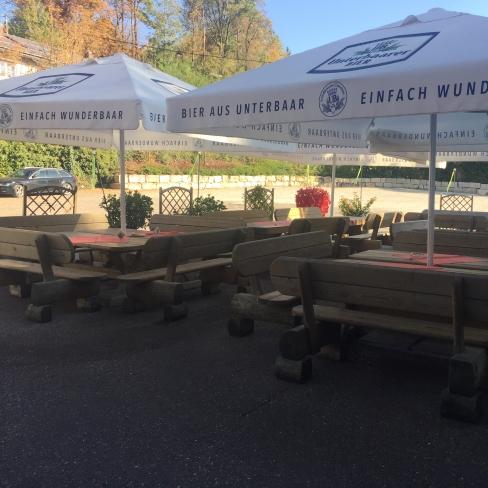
point(116, 400)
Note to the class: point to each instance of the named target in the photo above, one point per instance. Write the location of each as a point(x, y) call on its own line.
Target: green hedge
point(81, 161)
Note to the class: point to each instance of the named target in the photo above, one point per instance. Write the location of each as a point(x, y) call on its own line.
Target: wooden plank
point(406, 325)
point(275, 298)
point(20, 243)
point(161, 273)
point(42, 245)
point(357, 273)
point(56, 223)
point(458, 314)
point(210, 244)
point(253, 258)
point(58, 271)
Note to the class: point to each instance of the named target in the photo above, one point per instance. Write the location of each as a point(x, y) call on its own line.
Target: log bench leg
point(39, 313)
point(153, 294)
point(462, 399)
point(294, 371)
point(467, 408)
point(246, 309)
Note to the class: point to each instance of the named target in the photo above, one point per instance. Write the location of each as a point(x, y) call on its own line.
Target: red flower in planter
point(313, 197)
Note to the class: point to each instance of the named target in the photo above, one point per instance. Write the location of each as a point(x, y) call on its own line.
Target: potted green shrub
point(353, 207)
point(138, 210)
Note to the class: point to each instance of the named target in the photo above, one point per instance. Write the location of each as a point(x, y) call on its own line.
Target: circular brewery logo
point(295, 130)
point(6, 115)
point(333, 99)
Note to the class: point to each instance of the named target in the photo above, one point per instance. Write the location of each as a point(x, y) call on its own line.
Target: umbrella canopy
point(114, 102)
point(424, 64)
point(430, 64)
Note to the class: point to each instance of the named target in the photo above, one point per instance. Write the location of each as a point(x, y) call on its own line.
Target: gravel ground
point(387, 200)
point(115, 400)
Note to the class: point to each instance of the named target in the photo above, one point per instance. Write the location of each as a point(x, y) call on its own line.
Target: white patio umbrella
point(114, 102)
point(428, 64)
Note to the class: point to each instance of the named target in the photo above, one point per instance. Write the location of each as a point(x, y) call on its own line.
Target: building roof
point(27, 49)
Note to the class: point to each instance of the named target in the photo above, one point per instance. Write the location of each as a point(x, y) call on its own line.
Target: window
point(52, 173)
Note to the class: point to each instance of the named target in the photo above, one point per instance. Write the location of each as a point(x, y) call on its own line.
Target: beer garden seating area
point(328, 279)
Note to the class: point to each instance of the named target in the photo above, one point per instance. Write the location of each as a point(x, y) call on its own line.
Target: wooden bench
point(246, 216)
point(252, 261)
point(30, 256)
point(164, 259)
point(85, 222)
point(445, 242)
point(334, 226)
point(192, 223)
point(443, 219)
point(297, 213)
point(447, 304)
point(367, 237)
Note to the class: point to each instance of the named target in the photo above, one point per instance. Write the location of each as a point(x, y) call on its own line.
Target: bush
point(138, 208)
point(353, 207)
point(313, 197)
point(205, 205)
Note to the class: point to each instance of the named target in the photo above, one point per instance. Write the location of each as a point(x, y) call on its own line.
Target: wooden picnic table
point(420, 259)
point(114, 247)
point(270, 228)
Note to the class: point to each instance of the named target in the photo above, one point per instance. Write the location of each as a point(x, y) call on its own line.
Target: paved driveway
point(120, 400)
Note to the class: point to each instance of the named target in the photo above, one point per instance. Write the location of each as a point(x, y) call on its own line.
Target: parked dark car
point(30, 178)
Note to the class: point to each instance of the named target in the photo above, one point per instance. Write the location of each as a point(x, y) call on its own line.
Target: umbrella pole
point(432, 161)
point(332, 185)
point(123, 219)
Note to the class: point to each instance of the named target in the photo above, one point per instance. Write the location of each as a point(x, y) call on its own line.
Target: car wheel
point(67, 186)
point(19, 191)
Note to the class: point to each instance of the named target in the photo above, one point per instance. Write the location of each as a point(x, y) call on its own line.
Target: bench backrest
point(365, 284)
point(387, 219)
point(334, 226)
point(297, 213)
point(21, 244)
point(253, 258)
point(413, 216)
point(246, 215)
point(445, 242)
point(193, 223)
point(158, 252)
point(372, 224)
point(396, 228)
point(57, 223)
point(472, 221)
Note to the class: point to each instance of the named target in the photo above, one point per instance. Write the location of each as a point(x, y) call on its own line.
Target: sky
point(305, 24)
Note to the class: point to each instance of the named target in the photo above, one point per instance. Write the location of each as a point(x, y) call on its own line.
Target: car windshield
point(24, 173)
